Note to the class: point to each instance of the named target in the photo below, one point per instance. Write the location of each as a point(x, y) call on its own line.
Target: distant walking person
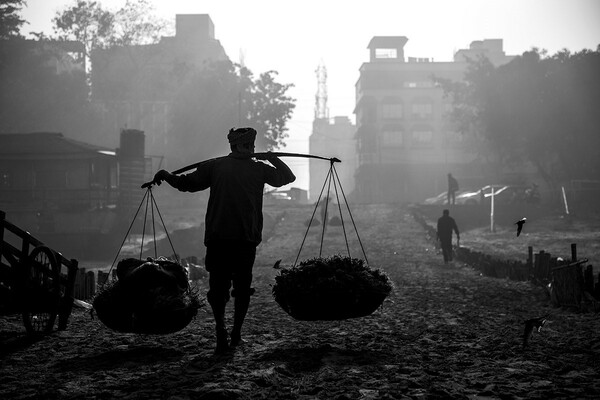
point(445, 225)
point(234, 222)
point(452, 188)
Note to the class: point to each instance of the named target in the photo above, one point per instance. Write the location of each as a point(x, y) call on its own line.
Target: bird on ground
point(276, 265)
point(520, 224)
point(530, 325)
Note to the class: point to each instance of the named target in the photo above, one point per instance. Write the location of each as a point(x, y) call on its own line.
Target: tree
point(270, 109)
point(34, 96)
point(221, 96)
point(10, 21)
point(135, 23)
point(87, 22)
point(534, 109)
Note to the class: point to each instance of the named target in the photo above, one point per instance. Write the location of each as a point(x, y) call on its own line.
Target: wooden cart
point(35, 280)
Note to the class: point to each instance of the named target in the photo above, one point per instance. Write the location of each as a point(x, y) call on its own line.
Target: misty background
point(294, 40)
point(97, 96)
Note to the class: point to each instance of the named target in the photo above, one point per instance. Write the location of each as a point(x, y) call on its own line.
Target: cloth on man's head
point(241, 135)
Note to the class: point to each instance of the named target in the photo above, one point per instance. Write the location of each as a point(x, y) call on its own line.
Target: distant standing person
point(445, 225)
point(234, 222)
point(452, 188)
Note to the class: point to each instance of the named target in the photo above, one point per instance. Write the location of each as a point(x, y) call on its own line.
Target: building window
point(391, 110)
point(422, 110)
point(393, 137)
point(386, 53)
point(418, 84)
point(422, 138)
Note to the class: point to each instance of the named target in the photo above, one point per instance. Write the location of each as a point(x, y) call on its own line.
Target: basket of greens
point(149, 297)
point(333, 288)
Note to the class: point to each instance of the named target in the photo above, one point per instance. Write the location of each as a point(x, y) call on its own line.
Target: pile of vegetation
point(333, 288)
point(151, 297)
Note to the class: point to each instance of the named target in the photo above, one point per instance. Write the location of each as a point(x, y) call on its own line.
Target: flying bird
point(520, 224)
point(530, 325)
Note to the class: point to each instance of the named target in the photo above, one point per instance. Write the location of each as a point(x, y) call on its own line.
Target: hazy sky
point(293, 37)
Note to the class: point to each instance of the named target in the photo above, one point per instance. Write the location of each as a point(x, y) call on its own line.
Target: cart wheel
point(42, 290)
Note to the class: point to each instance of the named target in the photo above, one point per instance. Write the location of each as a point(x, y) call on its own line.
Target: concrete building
point(406, 143)
point(135, 85)
point(332, 138)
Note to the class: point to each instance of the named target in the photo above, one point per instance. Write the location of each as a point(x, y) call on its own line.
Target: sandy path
point(445, 332)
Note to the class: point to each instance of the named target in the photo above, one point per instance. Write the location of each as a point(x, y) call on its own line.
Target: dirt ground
point(445, 332)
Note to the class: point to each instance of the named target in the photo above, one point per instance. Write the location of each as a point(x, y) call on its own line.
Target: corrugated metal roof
point(45, 144)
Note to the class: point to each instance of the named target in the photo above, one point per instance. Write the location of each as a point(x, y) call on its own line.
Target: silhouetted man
point(452, 188)
point(445, 226)
point(234, 223)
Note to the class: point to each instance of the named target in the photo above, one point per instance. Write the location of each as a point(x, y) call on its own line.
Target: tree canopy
point(219, 97)
point(88, 22)
point(535, 109)
point(35, 97)
point(10, 21)
point(204, 101)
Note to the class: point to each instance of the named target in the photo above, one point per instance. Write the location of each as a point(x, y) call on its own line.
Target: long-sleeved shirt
point(445, 226)
point(234, 211)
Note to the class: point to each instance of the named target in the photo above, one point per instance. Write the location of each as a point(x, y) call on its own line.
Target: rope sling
point(333, 288)
point(151, 296)
point(332, 176)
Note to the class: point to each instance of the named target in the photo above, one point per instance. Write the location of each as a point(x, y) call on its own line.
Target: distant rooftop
point(47, 144)
point(387, 48)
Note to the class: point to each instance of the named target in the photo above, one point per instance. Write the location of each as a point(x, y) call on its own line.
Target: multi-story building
point(406, 143)
point(332, 138)
point(135, 85)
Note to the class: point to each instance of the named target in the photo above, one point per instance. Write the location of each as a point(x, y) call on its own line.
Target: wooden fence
point(88, 282)
point(571, 282)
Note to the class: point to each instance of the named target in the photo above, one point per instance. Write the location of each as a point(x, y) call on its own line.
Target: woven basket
point(335, 288)
point(146, 300)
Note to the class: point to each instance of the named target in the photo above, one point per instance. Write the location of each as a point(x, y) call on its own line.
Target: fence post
point(588, 279)
point(102, 278)
point(529, 262)
point(2, 218)
point(79, 286)
point(545, 266)
point(63, 318)
point(536, 263)
point(553, 264)
point(90, 284)
point(573, 252)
